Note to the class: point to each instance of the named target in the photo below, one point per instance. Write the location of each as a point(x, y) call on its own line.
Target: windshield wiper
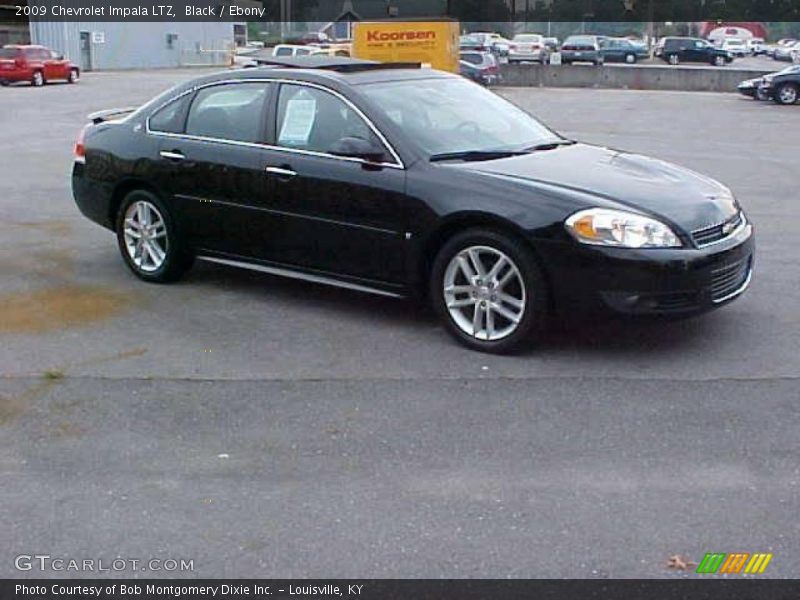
point(549, 145)
point(476, 155)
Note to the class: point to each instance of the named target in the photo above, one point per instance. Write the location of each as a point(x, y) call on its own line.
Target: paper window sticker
point(298, 121)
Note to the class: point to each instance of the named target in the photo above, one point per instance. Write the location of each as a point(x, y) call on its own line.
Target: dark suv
point(675, 50)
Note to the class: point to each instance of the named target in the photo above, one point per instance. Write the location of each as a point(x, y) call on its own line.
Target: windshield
point(443, 116)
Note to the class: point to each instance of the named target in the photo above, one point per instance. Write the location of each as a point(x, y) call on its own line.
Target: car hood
point(687, 199)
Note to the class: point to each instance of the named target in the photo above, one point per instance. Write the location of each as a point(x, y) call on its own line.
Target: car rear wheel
point(719, 61)
point(630, 58)
point(148, 239)
point(73, 76)
point(787, 93)
point(37, 80)
point(488, 290)
point(673, 59)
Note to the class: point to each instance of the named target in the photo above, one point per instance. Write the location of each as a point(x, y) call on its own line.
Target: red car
point(36, 64)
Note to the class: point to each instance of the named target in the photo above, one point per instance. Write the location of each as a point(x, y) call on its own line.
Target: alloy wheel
point(145, 235)
point(38, 79)
point(788, 94)
point(484, 293)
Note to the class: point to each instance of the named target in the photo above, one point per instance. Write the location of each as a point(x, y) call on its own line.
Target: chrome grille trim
point(714, 234)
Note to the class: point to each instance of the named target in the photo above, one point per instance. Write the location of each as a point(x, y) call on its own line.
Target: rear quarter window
point(172, 117)
point(9, 53)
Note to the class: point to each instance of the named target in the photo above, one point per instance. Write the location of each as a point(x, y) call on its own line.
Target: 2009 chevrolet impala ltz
point(404, 181)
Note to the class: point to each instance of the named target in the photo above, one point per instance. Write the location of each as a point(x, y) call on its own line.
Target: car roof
point(328, 69)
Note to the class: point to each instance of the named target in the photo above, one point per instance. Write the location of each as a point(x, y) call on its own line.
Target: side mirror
point(356, 147)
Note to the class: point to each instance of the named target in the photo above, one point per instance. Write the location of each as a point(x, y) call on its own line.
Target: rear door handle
point(172, 155)
point(281, 172)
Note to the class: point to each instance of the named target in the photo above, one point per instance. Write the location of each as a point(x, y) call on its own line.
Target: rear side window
point(283, 52)
point(37, 54)
point(9, 53)
point(229, 112)
point(170, 118)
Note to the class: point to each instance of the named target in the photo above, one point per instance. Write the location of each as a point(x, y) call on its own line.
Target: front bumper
point(650, 282)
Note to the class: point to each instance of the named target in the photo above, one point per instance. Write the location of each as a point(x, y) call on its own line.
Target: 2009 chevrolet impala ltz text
point(406, 181)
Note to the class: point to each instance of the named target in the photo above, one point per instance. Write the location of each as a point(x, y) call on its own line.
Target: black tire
point(73, 76)
point(4, 82)
point(37, 79)
point(631, 59)
point(787, 93)
point(719, 61)
point(177, 260)
point(535, 311)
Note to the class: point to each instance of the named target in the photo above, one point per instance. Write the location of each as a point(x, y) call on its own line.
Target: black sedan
point(407, 182)
point(783, 87)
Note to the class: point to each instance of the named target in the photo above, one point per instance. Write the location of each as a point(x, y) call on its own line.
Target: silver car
point(528, 46)
point(581, 48)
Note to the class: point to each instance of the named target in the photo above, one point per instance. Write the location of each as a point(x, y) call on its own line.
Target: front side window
point(439, 116)
point(313, 119)
point(229, 112)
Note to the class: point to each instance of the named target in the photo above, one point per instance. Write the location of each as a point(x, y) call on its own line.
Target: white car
point(528, 46)
point(293, 50)
point(756, 46)
point(734, 46)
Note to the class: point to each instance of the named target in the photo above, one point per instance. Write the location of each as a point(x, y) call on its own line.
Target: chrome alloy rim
point(788, 94)
point(484, 293)
point(145, 235)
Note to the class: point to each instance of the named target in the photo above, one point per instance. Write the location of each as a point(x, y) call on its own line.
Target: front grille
point(718, 232)
point(675, 301)
point(729, 279)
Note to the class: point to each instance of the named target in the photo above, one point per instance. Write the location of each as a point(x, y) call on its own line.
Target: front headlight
point(604, 227)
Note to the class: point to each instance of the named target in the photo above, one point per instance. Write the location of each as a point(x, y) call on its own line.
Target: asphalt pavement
point(271, 428)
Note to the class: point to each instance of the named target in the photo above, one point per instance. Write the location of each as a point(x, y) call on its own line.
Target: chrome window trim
point(398, 164)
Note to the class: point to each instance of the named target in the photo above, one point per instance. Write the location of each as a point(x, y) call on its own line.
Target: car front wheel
point(148, 239)
point(787, 93)
point(673, 59)
point(488, 290)
point(719, 61)
point(73, 76)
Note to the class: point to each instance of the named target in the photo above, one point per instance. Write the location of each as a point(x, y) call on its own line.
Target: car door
point(61, 65)
point(332, 213)
point(211, 162)
point(697, 51)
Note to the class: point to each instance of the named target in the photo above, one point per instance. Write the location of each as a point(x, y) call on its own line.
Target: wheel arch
point(122, 189)
point(459, 222)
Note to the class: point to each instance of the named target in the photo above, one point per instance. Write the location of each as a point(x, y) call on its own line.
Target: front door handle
point(281, 172)
point(172, 155)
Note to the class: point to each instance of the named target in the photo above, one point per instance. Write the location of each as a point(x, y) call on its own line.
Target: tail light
point(512, 47)
point(80, 148)
point(536, 46)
